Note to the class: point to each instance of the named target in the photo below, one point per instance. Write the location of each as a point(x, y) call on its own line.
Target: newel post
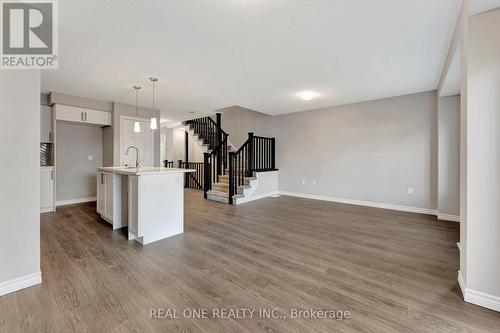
point(219, 141)
point(206, 174)
point(251, 155)
point(273, 153)
point(186, 146)
point(231, 177)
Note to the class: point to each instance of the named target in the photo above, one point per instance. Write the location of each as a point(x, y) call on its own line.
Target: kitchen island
point(149, 200)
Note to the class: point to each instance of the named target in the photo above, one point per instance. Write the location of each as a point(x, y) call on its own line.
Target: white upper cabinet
point(46, 134)
point(97, 117)
point(83, 116)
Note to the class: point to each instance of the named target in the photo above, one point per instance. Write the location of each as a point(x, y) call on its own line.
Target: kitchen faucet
point(137, 162)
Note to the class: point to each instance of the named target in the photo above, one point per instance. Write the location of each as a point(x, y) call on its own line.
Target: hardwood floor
point(393, 271)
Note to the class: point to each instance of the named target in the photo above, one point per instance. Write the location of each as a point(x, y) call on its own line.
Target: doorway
point(143, 140)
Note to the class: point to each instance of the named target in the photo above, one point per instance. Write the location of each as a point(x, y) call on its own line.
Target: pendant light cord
point(137, 102)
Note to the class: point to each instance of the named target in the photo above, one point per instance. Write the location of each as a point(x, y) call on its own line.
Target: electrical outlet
point(410, 190)
point(91, 157)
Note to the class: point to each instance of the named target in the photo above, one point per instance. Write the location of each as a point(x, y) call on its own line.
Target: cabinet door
point(69, 113)
point(46, 124)
point(97, 117)
point(133, 206)
point(46, 189)
point(108, 183)
point(101, 193)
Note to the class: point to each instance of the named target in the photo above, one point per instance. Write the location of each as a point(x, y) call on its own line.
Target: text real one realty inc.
point(246, 313)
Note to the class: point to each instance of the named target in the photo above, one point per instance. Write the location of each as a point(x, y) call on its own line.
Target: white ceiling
point(451, 83)
point(257, 54)
point(480, 6)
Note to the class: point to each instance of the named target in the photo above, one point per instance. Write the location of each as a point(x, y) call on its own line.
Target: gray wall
point(76, 175)
point(20, 189)
point(120, 110)
point(238, 122)
point(449, 155)
point(372, 151)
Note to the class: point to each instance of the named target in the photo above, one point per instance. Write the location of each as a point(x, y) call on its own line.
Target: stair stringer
point(262, 185)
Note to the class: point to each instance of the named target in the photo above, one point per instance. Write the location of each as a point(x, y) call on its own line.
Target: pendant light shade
point(137, 125)
point(154, 121)
point(154, 124)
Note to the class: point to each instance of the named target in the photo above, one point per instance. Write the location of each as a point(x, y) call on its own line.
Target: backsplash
point(46, 155)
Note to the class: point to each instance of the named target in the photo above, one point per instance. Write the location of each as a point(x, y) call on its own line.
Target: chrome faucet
point(137, 161)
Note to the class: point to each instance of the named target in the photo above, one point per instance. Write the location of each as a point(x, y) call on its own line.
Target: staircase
point(229, 174)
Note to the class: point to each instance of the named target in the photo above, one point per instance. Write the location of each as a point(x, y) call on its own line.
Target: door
point(46, 124)
point(144, 141)
point(69, 113)
point(46, 189)
point(97, 117)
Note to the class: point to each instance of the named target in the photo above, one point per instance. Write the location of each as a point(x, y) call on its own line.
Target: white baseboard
point(461, 283)
point(256, 197)
point(478, 298)
point(46, 210)
point(447, 217)
point(362, 203)
point(22, 282)
point(75, 201)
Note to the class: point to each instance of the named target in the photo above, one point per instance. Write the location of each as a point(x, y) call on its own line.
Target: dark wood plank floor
point(393, 271)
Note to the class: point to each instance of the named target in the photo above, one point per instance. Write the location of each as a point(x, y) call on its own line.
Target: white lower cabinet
point(46, 189)
point(133, 207)
point(109, 198)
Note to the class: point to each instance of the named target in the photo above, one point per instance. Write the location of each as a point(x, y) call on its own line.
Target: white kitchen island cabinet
point(153, 198)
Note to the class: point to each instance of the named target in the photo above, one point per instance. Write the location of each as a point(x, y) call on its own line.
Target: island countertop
point(143, 170)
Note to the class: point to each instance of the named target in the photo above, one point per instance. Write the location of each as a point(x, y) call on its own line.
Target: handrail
point(256, 154)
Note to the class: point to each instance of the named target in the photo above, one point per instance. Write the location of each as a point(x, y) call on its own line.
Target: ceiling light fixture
point(154, 121)
point(137, 125)
point(308, 95)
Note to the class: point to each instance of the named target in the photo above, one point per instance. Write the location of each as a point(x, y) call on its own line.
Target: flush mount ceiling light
point(308, 95)
point(137, 125)
point(154, 122)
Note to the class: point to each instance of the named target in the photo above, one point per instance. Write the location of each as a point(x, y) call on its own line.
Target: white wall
point(176, 145)
point(20, 189)
point(449, 157)
point(483, 159)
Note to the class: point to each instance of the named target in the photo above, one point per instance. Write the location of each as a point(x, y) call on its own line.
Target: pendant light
point(154, 121)
point(137, 125)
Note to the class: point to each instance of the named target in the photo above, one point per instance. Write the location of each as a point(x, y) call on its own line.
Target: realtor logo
point(29, 34)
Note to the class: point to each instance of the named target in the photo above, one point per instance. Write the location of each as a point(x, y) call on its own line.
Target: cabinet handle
point(81, 116)
point(50, 136)
point(52, 174)
point(85, 116)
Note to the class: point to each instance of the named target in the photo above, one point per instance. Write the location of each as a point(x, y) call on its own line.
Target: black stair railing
point(215, 164)
point(195, 179)
point(257, 154)
point(168, 164)
point(208, 130)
